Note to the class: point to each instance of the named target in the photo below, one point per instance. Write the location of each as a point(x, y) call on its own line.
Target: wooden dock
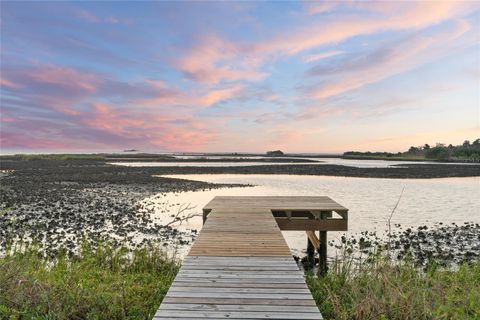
point(240, 266)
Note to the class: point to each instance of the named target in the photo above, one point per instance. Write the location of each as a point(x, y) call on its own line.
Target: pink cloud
point(27, 141)
point(188, 139)
point(321, 56)
point(114, 120)
point(51, 80)
point(315, 112)
point(213, 60)
point(285, 138)
point(62, 105)
point(209, 62)
point(7, 119)
point(89, 17)
point(193, 99)
point(53, 87)
point(403, 56)
point(149, 127)
point(404, 141)
point(117, 20)
point(8, 83)
point(102, 108)
point(316, 7)
point(332, 30)
point(148, 113)
point(50, 87)
point(107, 127)
point(383, 7)
point(218, 95)
point(65, 77)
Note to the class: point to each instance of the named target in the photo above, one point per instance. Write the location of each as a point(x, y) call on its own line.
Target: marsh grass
point(105, 282)
point(98, 283)
point(382, 289)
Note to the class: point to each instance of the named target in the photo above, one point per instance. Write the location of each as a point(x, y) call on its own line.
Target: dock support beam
point(310, 254)
point(322, 251)
point(205, 215)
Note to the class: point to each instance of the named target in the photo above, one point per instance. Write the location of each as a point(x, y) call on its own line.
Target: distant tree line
point(467, 151)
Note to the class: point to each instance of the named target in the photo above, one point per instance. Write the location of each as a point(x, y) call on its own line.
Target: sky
point(238, 76)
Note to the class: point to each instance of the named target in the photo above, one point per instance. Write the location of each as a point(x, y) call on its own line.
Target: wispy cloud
point(321, 56)
point(89, 17)
point(316, 7)
point(213, 60)
point(392, 59)
point(145, 116)
point(210, 62)
point(8, 83)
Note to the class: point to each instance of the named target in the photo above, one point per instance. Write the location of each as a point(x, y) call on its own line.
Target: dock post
point(204, 215)
point(310, 254)
point(322, 252)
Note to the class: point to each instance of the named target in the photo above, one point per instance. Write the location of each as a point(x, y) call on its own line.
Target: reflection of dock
point(240, 266)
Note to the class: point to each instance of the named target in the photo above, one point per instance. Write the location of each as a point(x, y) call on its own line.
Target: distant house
point(276, 153)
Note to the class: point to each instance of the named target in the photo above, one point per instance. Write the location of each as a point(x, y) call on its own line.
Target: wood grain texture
point(242, 232)
point(291, 213)
point(296, 203)
point(257, 287)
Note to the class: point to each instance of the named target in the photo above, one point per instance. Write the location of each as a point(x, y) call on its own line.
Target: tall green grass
point(382, 289)
point(98, 283)
point(117, 283)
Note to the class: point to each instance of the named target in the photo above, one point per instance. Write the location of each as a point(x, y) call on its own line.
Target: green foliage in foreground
point(384, 290)
point(100, 283)
point(107, 283)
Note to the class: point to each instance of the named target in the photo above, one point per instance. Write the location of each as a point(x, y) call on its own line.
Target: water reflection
point(370, 201)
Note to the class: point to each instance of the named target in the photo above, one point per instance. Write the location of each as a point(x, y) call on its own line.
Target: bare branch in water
point(390, 218)
point(179, 215)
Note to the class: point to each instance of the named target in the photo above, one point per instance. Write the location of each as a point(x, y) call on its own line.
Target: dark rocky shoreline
point(445, 245)
point(407, 171)
point(199, 160)
point(62, 203)
point(100, 170)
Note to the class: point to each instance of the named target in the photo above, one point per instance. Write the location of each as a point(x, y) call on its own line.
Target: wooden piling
point(310, 254)
point(322, 251)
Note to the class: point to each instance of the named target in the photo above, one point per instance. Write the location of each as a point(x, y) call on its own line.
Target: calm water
point(204, 164)
point(318, 161)
point(370, 201)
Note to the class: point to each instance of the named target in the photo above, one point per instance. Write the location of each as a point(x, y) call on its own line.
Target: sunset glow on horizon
point(238, 76)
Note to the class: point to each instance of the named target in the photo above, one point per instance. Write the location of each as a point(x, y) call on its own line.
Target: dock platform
point(240, 266)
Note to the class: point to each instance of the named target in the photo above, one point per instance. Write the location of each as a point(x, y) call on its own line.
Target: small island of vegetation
point(276, 153)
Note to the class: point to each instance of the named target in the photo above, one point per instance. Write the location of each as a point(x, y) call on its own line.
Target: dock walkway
point(240, 267)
